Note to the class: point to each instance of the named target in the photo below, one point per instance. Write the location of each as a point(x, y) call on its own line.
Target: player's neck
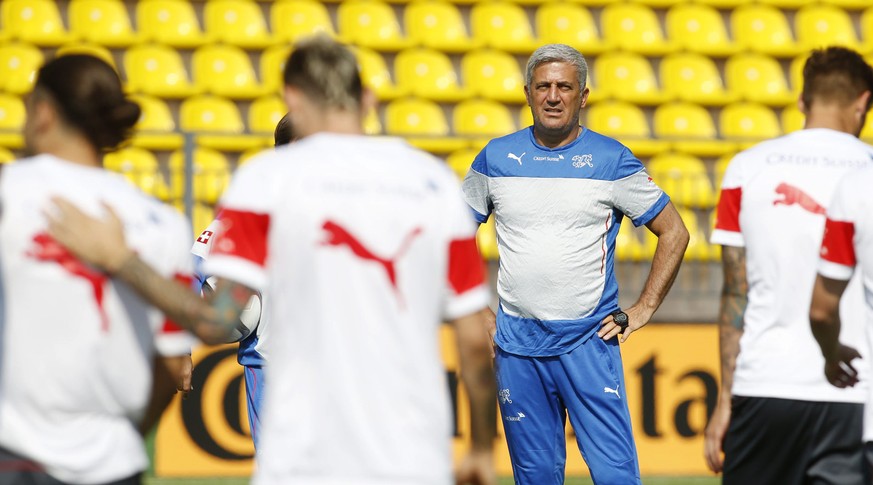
point(333, 121)
point(556, 140)
point(74, 149)
point(833, 117)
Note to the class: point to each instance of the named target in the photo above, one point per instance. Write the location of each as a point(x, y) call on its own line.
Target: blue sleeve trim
point(653, 211)
point(199, 276)
point(480, 218)
point(480, 163)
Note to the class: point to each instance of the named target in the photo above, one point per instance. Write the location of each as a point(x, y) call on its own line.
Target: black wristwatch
point(620, 319)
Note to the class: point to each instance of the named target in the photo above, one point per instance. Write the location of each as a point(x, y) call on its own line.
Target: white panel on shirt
point(357, 390)
point(76, 374)
point(785, 184)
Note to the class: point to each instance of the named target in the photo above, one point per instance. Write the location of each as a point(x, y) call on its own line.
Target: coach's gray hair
point(326, 71)
point(557, 53)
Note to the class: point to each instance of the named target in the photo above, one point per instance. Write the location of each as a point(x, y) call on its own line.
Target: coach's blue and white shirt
point(557, 213)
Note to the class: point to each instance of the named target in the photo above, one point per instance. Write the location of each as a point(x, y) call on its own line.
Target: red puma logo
point(339, 236)
point(793, 195)
point(47, 249)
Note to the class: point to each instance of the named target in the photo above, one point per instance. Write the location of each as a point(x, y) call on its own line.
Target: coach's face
point(556, 97)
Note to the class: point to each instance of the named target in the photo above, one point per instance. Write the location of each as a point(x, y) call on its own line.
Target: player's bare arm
point(474, 351)
point(672, 241)
point(100, 242)
point(824, 318)
point(166, 372)
point(734, 298)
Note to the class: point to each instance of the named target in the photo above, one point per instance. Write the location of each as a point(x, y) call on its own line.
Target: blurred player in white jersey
point(847, 244)
point(777, 418)
point(253, 352)
point(79, 348)
point(365, 245)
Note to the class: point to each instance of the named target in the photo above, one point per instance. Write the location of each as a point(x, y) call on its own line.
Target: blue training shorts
point(537, 393)
point(254, 398)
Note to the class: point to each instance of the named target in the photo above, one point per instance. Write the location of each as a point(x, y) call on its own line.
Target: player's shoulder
point(518, 140)
point(605, 145)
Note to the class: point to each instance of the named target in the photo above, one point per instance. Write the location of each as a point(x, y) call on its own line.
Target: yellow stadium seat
point(376, 76)
point(437, 24)
point(626, 123)
point(291, 20)
point(694, 78)
point(690, 129)
point(18, 66)
point(486, 239)
point(170, 22)
point(217, 122)
point(211, 175)
point(6, 156)
point(482, 120)
point(867, 131)
point(764, 29)
point(372, 124)
point(792, 119)
point(459, 161)
point(867, 30)
point(157, 70)
point(225, 70)
point(823, 26)
point(683, 177)
point(628, 77)
point(272, 67)
point(850, 4)
point(721, 166)
point(725, 4)
point(525, 117)
point(748, 123)
point(103, 22)
point(503, 26)
point(635, 28)
point(155, 129)
point(429, 74)
point(423, 123)
point(237, 22)
point(788, 4)
point(493, 74)
point(698, 247)
point(264, 115)
point(94, 50)
point(11, 121)
point(202, 215)
point(758, 78)
point(372, 24)
point(140, 167)
point(34, 21)
point(628, 246)
point(700, 28)
point(795, 74)
point(566, 23)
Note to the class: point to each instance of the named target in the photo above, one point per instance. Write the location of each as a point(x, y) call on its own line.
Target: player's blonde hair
point(327, 72)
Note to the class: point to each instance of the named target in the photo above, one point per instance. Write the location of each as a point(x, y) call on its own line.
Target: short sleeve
point(475, 188)
point(466, 286)
point(239, 251)
point(837, 258)
point(635, 193)
point(727, 216)
point(200, 252)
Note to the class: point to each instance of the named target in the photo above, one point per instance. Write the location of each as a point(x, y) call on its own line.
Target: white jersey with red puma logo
point(76, 348)
point(772, 203)
point(370, 246)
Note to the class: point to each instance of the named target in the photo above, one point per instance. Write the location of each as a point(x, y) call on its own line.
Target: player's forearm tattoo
point(210, 323)
point(733, 307)
point(734, 295)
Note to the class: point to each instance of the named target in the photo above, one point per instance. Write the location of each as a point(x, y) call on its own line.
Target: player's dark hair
point(89, 97)
point(836, 74)
point(326, 71)
point(284, 133)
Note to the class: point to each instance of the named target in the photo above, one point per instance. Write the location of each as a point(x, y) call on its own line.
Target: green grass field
point(503, 481)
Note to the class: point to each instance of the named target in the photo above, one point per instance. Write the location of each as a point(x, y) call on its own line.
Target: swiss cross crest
point(204, 237)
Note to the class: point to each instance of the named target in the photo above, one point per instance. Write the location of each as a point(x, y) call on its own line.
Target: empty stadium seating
point(429, 74)
point(18, 65)
point(758, 78)
point(34, 21)
point(217, 122)
point(700, 28)
point(292, 20)
point(170, 22)
point(493, 74)
point(11, 121)
point(141, 167)
point(503, 26)
point(627, 123)
point(225, 70)
point(423, 123)
point(237, 22)
point(103, 22)
point(694, 78)
point(628, 77)
point(436, 24)
point(157, 70)
point(635, 28)
point(371, 23)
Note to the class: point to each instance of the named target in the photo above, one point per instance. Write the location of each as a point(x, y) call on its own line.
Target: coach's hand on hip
point(623, 322)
